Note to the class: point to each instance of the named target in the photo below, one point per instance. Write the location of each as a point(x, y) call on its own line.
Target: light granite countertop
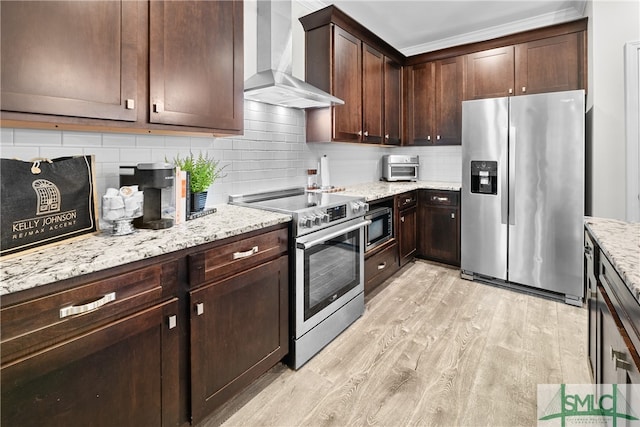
point(620, 242)
point(104, 251)
point(381, 189)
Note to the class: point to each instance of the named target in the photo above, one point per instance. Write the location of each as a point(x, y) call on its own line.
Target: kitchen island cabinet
point(614, 325)
point(171, 67)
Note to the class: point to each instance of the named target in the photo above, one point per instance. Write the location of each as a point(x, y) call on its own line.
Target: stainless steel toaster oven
point(398, 167)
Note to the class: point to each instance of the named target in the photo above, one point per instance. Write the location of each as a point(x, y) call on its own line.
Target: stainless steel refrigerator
point(523, 192)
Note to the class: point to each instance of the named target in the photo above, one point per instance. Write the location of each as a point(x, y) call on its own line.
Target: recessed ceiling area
point(417, 26)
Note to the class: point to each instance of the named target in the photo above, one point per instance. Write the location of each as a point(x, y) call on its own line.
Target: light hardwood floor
point(431, 349)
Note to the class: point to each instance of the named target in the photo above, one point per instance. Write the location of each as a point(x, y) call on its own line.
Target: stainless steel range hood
point(274, 83)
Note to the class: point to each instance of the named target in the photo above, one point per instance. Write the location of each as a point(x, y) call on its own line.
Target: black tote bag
point(44, 202)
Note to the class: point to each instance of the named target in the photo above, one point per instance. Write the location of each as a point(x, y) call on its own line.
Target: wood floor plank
point(431, 349)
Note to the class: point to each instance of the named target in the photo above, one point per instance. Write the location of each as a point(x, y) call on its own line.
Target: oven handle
point(315, 242)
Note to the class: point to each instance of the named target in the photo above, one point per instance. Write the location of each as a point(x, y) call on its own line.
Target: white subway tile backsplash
point(81, 139)
point(37, 137)
point(271, 154)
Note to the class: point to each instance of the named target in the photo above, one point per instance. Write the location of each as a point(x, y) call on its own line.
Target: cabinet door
point(124, 373)
point(392, 102)
point(70, 58)
point(490, 73)
point(549, 65)
point(448, 105)
point(239, 329)
point(407, 234)
point(439, 233)
point(196, 63)
point(422, 85)
point(372, 94)
point(347, 85)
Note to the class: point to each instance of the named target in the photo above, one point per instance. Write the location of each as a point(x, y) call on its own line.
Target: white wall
point(611, 25)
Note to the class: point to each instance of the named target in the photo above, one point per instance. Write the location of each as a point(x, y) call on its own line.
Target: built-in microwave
point(381, 228)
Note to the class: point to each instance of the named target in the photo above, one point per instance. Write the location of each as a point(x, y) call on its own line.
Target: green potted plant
point(203, 171)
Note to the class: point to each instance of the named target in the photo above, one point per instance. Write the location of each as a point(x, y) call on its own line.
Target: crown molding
point(558, 17)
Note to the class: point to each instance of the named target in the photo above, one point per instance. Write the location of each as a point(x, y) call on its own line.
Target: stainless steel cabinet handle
point(238, 255)
point(172, 321)
point(200, 309)
point(524, 89)
point(440, 199)
point(359, 133)
point(79, 309)
point(510, 90)
point(438, 137)
point(402, 218)
point(386, 136)
point(453, 215)
point(619, 361)
point(382, 266)
point(428, 137)
point(129, 104)
point(407, 200)
point(366, 133)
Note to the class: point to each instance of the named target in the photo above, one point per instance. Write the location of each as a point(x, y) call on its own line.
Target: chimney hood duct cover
point(274, 83)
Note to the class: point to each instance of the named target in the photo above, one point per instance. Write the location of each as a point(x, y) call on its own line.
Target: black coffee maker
point(156, 180)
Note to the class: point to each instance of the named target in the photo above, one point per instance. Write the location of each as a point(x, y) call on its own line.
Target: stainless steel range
point(327, 263)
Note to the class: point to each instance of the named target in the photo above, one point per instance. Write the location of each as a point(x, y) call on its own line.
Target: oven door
point(329, 272)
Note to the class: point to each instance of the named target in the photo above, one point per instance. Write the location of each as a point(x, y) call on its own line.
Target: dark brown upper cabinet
point(372, 95)
point(392, 102)
point(196, 64)
point(152, 67)
point(434, 102)
point(490, 73)
point(70, 58)
point(550, 64)
point(348, 61)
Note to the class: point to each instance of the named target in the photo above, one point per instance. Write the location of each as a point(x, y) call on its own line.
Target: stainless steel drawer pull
point(382, 266)
point(200, 309)
point(402, 218)
point(440, 199)
point(453, 215)
point(79, 309)
point(619, 360)
point(252, 251)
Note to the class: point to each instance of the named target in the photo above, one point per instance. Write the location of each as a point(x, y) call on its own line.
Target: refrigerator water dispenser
point(484, 177)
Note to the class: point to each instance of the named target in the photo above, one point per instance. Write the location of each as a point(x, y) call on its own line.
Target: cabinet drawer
point(406, 200)
point(223, 261)
point(40, 322)
point(380, 267)
point(441, 198)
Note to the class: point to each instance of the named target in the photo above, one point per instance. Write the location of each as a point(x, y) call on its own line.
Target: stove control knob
point(305, 222)
point(355, 207)
point(317, 218)
point(325, 218)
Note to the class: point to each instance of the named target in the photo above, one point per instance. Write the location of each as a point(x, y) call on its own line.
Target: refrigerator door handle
point(512, 175)
point(504, 184)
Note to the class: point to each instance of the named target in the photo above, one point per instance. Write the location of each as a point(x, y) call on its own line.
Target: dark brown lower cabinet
point(438, 226)
point(123, 373)
point(239, 329)
point(380, 265)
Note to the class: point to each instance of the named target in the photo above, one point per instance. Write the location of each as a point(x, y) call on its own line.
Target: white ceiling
point(416, 26)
